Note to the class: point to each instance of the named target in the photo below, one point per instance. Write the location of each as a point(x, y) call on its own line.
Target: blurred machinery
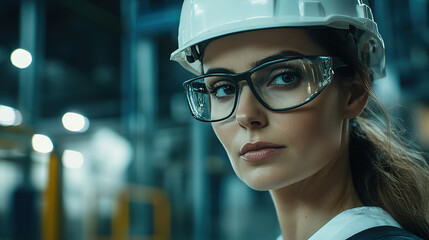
point(29, 200)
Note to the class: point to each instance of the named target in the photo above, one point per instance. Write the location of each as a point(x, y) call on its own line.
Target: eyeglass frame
point(246, 76)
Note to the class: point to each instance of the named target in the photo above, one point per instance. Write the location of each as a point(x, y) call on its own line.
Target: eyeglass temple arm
point(338, 63)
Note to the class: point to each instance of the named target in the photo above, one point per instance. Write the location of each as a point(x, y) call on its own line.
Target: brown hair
point(387, 171)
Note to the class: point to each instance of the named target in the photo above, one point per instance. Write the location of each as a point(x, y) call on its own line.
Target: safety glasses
point(279, 85)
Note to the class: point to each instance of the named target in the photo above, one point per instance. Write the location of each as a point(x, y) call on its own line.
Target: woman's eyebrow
point(219, 70)
point(280, 55)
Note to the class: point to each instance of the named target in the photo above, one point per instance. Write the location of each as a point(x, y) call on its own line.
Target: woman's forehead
point(249, 47)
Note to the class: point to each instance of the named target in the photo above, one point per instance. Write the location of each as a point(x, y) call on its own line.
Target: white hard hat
point(202, 20)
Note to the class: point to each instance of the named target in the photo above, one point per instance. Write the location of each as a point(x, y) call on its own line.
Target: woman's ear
point(356, 98)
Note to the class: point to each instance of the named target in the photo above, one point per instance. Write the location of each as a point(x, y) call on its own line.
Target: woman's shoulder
point(381, 233)
point(362, 223)
point(384, 233)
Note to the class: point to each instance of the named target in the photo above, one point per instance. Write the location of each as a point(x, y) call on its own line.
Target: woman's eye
point(286, 78)
point(222, 90)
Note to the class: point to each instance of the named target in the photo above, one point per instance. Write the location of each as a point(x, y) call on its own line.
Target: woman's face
point(269, 150)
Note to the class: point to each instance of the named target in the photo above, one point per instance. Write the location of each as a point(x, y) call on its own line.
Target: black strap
point(384, 233)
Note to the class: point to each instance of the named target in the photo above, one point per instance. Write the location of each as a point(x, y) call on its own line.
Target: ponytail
point(390, 174)
point(387, 171)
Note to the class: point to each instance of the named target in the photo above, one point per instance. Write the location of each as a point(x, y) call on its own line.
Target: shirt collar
point(352, 221)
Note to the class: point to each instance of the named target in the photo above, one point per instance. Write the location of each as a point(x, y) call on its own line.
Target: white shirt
point(352, 221)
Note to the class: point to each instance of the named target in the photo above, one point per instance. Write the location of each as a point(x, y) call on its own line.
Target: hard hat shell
point(203, 20)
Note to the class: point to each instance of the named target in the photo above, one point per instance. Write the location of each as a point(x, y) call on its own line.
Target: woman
point(285, 85)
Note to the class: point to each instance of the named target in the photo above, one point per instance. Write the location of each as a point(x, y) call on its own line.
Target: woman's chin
point(265, 181)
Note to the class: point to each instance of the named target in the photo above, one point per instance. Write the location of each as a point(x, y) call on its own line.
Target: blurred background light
point(72, 159)
point(9, 116)
point(75, 122)
point(21, 58)
point(42, 143)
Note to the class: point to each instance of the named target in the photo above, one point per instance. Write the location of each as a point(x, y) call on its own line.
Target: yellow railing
point(51, 199)
point(146, 195)
point(155, 197)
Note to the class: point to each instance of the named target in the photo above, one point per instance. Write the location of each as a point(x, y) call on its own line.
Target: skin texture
point(309, 179)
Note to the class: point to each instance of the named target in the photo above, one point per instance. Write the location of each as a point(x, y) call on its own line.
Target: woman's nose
point(250, 112)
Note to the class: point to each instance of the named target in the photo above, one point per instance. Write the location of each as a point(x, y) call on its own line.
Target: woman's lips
point(259, 151)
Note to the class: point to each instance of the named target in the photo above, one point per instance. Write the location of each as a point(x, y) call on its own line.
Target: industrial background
point(96, 139)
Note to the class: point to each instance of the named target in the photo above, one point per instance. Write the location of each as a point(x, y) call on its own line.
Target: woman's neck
point(304, 207)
